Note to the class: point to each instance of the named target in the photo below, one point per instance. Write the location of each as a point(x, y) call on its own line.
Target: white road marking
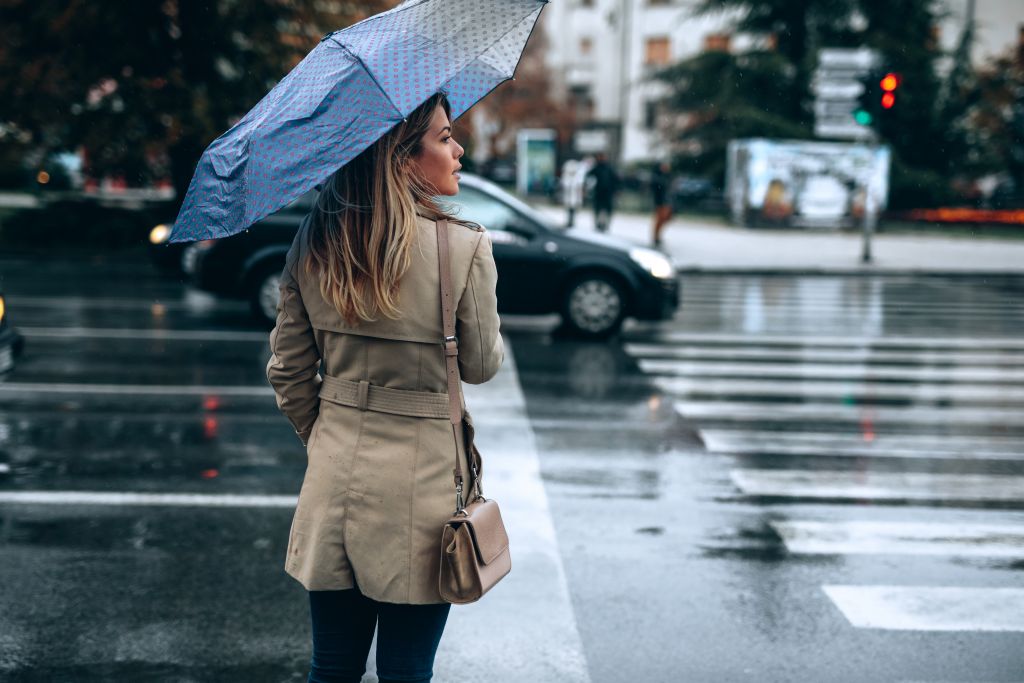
point(930, 608)
point(539, 639)
point(903, 342)
point(124, 333)
point(737, 411)
point(865, 355)
point(753, 442)
point(146, 499)
point(200, 301)
point(820, 371)
point(807, 537)
point(842, 390)
point(879, 486)
point(132, 389)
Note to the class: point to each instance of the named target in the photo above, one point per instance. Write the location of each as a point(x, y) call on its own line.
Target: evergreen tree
point(766, 92)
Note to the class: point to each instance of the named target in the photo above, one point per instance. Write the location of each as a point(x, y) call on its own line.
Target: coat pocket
point(297, 538)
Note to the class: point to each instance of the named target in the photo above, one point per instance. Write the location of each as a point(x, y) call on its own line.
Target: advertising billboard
point(797, 183)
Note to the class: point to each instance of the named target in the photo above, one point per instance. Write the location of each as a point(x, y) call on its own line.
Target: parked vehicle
point(594, 281)
point(11, 343)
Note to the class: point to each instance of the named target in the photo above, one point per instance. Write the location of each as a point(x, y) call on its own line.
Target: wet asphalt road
point(797, 479)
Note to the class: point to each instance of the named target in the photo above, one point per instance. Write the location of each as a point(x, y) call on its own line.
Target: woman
point(360, 304)
point(660, 181)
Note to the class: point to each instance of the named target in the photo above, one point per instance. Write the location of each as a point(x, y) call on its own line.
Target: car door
point(524, 253)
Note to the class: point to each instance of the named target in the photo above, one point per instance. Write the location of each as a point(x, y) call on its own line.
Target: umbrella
point(346, 93)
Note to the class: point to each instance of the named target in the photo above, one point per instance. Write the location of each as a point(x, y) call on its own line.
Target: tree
point(766, 91)
point(144, 87)
point(727, 96)
point(995, 111)
point(528, 102)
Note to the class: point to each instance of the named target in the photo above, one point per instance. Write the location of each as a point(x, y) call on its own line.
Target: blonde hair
point(364, 222)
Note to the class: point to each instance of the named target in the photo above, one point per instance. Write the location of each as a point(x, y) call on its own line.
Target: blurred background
point(109, 107)
point(760, 418)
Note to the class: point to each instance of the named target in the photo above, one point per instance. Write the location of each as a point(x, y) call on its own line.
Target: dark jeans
point(343, 623)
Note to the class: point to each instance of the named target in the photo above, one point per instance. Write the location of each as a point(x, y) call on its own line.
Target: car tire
point(594, 305)
point(264, 292)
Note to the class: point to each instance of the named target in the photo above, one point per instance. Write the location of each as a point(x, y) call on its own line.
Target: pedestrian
point(660, 181)
point(360, 305)
point(574, 175)
point(606, 182)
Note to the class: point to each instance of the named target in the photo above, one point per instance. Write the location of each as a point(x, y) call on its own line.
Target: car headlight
point(2, 309)
point(654, 262)
point(159, 234)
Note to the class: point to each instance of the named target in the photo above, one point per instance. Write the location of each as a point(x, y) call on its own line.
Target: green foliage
point(732, 96)
point(145, 86)
point(765, 93)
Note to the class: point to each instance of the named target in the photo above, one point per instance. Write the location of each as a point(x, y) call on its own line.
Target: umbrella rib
point(368, 73)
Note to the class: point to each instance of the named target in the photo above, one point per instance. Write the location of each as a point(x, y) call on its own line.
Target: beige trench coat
point(378, 485)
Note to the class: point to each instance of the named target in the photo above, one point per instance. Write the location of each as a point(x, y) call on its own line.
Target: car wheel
point(594, 305)
point(264, 293)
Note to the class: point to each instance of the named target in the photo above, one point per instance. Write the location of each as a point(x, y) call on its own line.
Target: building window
point(658, 51)
point(650, 114)
point(585, 45)
point(716, 42)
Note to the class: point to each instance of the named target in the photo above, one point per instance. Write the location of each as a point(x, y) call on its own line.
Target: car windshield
point(491, 201)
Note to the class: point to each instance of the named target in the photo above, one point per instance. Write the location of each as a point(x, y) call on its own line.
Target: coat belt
point(366, 396)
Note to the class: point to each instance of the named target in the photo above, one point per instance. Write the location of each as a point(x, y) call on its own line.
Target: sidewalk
point(706, 247)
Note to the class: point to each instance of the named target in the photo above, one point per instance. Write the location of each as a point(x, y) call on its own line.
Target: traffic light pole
point(870, 221)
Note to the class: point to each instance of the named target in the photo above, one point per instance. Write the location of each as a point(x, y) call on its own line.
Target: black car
point(10, 341)
point(592, 280)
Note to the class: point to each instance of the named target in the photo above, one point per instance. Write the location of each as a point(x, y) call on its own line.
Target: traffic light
point(888, 84)
point(877, 97)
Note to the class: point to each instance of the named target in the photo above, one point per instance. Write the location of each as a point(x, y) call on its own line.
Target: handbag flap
point(484, 522)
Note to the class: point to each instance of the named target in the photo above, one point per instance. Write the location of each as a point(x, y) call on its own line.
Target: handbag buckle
point(460, 505)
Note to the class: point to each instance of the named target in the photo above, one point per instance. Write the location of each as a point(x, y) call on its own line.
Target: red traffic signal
point(888, 84)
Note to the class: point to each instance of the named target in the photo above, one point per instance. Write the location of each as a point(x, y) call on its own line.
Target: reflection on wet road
point(827, 471)
point(815, 479)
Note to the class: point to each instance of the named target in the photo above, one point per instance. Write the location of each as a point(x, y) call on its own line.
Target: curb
point(847, 272)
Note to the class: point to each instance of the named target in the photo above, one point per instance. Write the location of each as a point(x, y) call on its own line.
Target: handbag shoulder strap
point(451, 347)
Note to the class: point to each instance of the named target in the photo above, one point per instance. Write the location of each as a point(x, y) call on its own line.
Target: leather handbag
point(474, 544)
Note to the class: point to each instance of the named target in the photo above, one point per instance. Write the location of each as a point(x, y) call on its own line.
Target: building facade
point(603, 52)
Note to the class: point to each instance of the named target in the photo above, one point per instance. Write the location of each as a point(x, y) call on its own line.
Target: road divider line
point(824, 371)
point(161, 335)
point(743, 412)
point(866, 391)
point(850, 356)
point(882, 486)
point(128, 498)
point(856, 537)
point(850, 342)
point(132, 389)
point(759, 442)
point(930, 608)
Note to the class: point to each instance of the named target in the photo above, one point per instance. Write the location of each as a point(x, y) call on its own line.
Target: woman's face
point(438, 159)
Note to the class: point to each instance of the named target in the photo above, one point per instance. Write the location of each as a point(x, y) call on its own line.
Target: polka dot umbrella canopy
point(347, 92)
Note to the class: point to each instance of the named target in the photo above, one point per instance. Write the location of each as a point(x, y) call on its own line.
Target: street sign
point(837, 88)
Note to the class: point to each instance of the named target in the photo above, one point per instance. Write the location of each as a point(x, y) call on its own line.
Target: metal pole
point(870, 219)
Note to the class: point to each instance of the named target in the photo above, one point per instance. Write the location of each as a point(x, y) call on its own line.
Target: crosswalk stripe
point(828, 355)
point(847, 341)
point(822, 371)
point(882, 486)
point(754, 442)
point(740, 412)
point(806, 537)
point(859, 391)
point(930, 608)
